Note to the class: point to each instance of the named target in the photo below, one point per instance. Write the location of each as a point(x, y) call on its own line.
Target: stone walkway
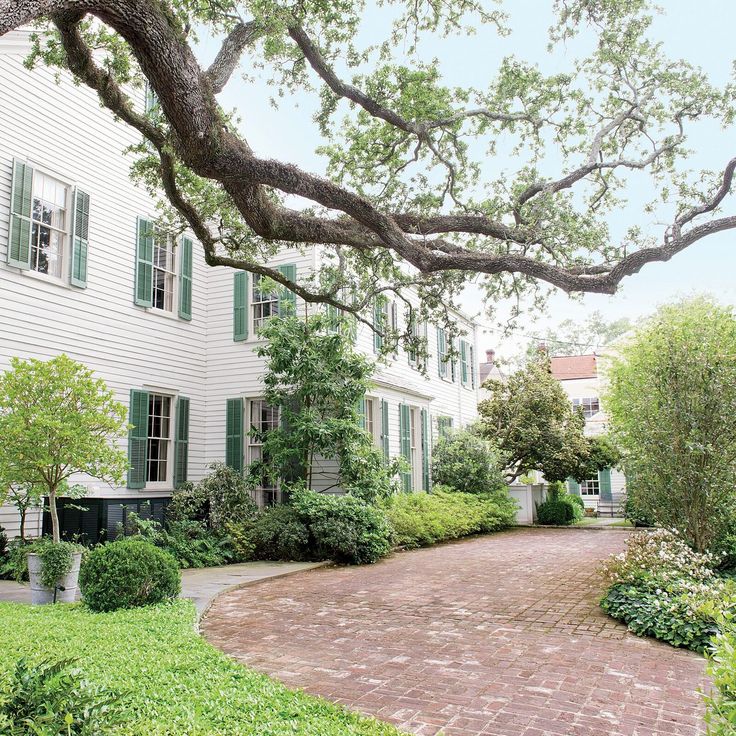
point(496, 635)
point(201, 585)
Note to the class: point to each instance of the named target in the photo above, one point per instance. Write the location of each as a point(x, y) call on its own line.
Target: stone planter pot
point(66, 592)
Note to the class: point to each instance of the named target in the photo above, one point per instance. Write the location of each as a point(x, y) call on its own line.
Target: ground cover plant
point(660, 587)
point(176, 682)
point(422, 519)
point(720, 703)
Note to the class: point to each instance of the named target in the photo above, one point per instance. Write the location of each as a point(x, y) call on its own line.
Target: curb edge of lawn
point(248, 583)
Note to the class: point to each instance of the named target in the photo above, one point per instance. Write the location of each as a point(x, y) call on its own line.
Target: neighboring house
point(579, 376)
point(80, 273)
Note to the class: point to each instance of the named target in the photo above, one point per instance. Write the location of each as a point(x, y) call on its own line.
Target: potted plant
point(57, 420)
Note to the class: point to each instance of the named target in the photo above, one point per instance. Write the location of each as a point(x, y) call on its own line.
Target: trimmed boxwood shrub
point(557, 513)
point(277, 533)
point(128, 573)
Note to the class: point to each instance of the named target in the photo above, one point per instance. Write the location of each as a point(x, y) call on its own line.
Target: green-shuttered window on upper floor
point(49, 225)
point(240, 306)
point(163, 270)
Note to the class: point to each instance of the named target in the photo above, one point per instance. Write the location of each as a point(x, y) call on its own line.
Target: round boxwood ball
point(126, 574)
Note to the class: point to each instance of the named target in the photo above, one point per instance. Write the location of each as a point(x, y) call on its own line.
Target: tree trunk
point(54, 516)
point(23, 511)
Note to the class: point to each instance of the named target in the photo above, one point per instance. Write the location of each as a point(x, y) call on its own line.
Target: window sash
point(160, 421)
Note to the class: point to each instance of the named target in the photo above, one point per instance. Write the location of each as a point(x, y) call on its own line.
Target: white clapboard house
point(174, 338)
point(580, 377)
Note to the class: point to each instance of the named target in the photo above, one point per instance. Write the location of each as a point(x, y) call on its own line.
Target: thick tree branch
point(228, 57)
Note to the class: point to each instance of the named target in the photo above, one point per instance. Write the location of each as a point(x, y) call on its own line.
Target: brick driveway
point(496, 635)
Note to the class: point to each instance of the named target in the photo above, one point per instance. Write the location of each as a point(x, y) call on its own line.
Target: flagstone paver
point(496, 635)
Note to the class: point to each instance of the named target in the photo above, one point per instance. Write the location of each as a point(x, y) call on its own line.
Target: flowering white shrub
point(663, 557)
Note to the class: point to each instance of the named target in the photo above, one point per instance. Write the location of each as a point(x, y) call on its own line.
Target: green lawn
point(180, 685)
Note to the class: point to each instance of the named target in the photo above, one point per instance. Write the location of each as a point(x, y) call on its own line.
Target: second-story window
point(49, 222)
point(264, 301)
point(589, 405)
point(164, 272)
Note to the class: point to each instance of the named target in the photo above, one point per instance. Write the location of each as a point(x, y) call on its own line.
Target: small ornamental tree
point(317, 381)
point(672, 406)
point(532, 423)
point(57, 419)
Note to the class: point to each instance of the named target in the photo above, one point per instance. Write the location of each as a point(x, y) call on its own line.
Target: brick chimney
point(490, 357)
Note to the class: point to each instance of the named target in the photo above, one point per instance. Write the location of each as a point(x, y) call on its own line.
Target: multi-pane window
point(368, 417)
point(418, 331)
point(49, 221)
point(590, 405)
point(159, 438)
point(590, 487)
point(164, 272)
point(265, 302)
point(263, 418)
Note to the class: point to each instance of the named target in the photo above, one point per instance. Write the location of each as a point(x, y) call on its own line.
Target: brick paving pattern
point(498, 635)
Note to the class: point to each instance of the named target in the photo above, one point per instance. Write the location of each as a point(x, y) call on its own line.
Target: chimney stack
point(490, 356)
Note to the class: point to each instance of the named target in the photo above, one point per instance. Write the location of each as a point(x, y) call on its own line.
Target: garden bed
point(178, 684)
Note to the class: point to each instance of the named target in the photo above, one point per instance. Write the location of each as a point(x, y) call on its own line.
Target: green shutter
point(379, 322)
point(240, 306)
point(463, 363)
point(287, 298)
point(471, 362)
point(234, 434)
point(604, 484)
point(138, 439)
point(405, 438)
point(384, 429)
point(80, 240)
point(441, 352)
point(573, 486)
point(181, 442)
point(185, 280)
point(453, 365)
point(144, 264)
point(425, 450)
point(19, 239)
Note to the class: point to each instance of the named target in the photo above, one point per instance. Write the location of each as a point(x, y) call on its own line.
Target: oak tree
point(416, 189)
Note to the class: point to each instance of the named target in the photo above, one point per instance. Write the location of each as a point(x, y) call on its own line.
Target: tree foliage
point(465, 462)
point(426, 183)
point(672, 403)
point(532, 423)
point(317, 380)
point(57, 419)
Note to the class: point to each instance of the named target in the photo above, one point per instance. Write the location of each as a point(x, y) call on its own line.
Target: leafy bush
point(316, 527)
point(344, 528)
point(674, 617)
point(465, 462)
point(14, 566)
point(560, 508)
point(4, 551)
point(634, 512)
point(422, 519)
point(277, 533)
point(720, 704)
point(51, 698)
point(128, 573)
point(556, 513)
point(660, 587)
point(224, 496)
point(660, 555)
point(190, 543)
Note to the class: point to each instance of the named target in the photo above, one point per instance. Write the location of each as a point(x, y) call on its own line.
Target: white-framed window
point(164, 272)
point(369, 417)
point(261, 418)
point(590, 487)
point(50, 217)
point(159, 454)
point(418, 331)
point(264, 303)
point(590, 405)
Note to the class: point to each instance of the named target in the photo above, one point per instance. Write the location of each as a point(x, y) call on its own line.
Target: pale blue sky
point(701, 32)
